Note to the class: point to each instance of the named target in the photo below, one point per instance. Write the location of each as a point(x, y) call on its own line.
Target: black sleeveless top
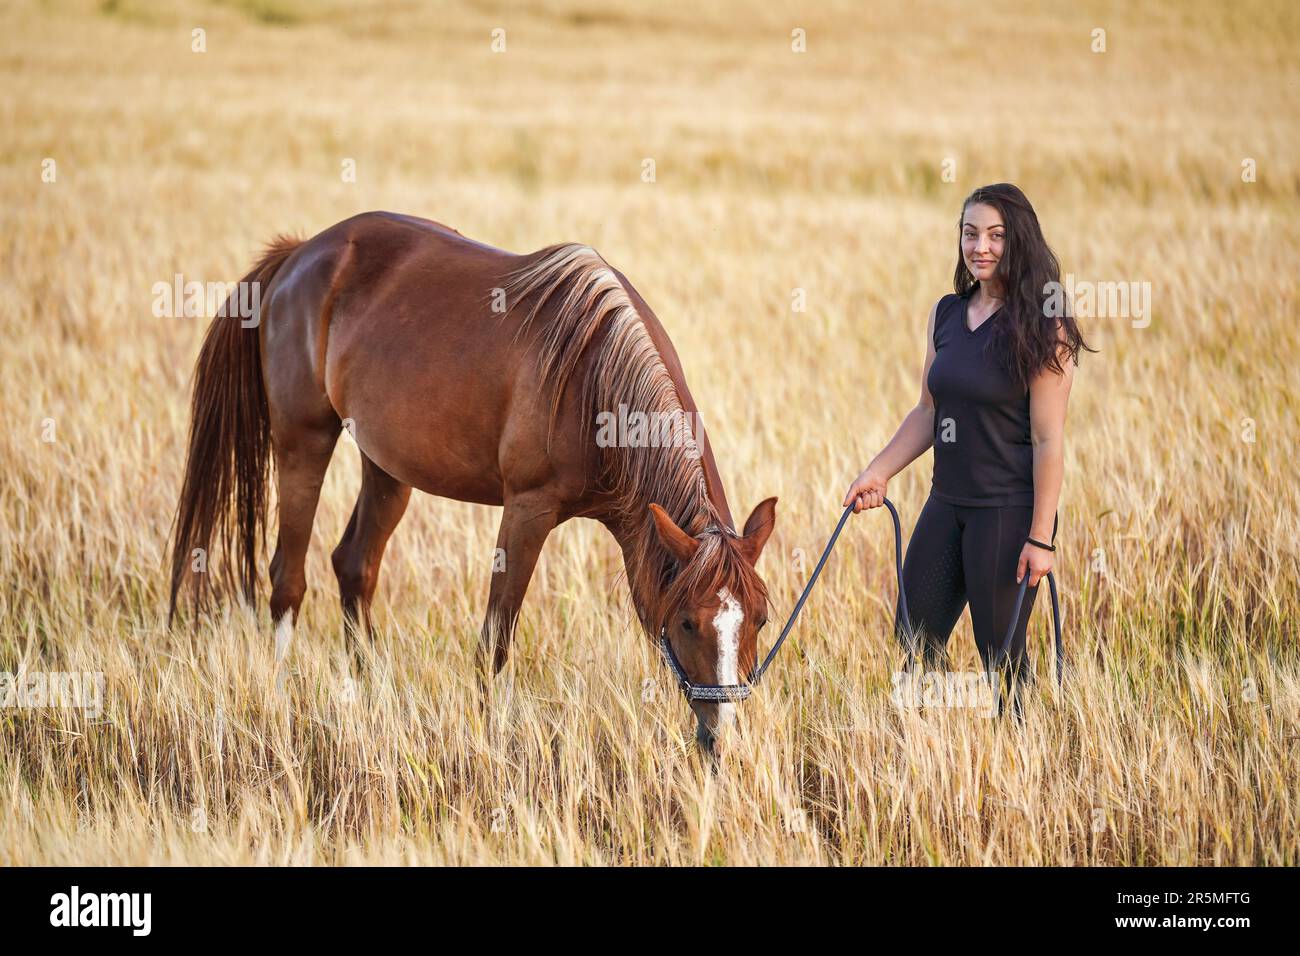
point(983, 453)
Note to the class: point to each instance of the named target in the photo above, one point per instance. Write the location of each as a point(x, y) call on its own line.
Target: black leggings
point(960, 553)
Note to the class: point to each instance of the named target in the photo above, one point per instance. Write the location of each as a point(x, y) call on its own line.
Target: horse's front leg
point(525, 523)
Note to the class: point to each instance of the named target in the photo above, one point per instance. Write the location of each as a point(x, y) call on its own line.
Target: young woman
point(998, 368)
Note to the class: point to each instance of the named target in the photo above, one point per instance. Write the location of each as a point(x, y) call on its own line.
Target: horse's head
point(713, 610)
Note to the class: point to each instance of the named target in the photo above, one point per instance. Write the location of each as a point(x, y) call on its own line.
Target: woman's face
point(982, 238)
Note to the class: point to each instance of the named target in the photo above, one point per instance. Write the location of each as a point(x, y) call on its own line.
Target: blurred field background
point(1177, 741)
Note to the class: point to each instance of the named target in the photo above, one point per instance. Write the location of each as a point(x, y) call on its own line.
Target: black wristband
point(1039, 544)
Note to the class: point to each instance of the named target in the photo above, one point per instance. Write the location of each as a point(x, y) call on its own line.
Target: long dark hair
point(1024, 332)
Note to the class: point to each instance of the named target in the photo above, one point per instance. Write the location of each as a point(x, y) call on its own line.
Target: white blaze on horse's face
point(726, 626)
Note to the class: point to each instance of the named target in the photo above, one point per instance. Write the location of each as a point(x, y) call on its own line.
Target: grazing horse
point(476, 374)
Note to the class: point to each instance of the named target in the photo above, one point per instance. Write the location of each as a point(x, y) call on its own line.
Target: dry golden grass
point(1176, 741)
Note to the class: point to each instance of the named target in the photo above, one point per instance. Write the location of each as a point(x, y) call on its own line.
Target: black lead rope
point(737, 692)
point(898, 561)
point(1056, 625)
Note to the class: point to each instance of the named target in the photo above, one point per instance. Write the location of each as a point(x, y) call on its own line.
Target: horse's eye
point(762, 624)
point(687, 626)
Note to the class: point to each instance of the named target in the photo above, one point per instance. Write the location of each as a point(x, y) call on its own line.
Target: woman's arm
point(913, 437)
point(1049, 394)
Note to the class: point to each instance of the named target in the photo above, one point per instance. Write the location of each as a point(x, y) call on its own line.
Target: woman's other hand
point(1037, 561)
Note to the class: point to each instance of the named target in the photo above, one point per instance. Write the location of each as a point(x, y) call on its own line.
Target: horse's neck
point(712, 477)
point(645, 559)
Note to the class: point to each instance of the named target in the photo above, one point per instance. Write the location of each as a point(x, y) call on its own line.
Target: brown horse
point(476, 374)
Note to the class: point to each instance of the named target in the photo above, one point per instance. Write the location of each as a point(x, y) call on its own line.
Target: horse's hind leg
point(379, 508)
point(301, 458)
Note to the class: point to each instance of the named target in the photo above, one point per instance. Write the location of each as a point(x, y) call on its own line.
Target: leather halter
point(710, 692)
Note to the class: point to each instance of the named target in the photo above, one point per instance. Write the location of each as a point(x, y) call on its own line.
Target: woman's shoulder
point(947, 301)
point(942, 308)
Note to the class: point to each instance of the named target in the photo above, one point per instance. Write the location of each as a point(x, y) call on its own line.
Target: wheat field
point(1168, 158)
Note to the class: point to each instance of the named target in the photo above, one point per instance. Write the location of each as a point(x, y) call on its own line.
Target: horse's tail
point(228, 460)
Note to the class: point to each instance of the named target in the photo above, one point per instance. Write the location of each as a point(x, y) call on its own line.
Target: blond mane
point(628, 370)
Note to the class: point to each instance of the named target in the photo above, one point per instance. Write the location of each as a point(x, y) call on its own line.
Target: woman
point(998, 368)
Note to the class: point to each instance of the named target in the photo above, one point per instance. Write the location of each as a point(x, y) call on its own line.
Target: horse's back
point(391, 318)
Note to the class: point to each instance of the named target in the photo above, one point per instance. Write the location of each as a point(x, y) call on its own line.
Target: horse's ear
point(757, 529)
point(679, 544)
